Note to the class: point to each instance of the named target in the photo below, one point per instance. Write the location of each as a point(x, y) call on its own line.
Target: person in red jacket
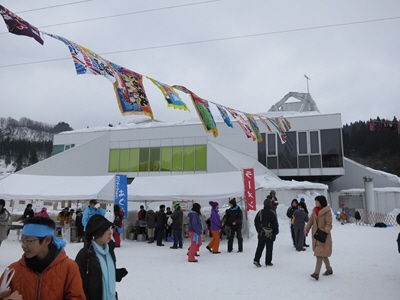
point(42, 213)
point(45, 271)
point(118, 218)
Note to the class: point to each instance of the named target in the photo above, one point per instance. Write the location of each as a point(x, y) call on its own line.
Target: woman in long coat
point(321, 217)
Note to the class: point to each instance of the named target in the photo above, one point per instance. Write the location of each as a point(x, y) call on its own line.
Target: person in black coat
point(161, 223)
point(96, 260)
point(266, 224)
point(28, 212)
point(177, 222)
point(234, 220)
point(289, 214)
point(398, 237)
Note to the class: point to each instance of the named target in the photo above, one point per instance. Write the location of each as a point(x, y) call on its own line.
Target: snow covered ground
point(365, 263)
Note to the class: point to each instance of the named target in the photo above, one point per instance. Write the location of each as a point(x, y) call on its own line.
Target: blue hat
point(302, 200)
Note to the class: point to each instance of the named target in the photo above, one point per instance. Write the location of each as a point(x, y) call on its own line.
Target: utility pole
point(308, 91)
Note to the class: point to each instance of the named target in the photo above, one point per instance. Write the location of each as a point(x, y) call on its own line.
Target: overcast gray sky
point(354, 68)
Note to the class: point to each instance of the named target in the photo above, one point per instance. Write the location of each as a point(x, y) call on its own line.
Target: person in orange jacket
point(45, 271)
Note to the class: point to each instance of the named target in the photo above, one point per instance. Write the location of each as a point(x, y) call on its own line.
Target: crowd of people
point(93, 274)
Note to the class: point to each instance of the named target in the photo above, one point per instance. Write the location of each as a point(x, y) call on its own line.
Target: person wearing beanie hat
point(195, 229)
point(266, 224)
point(45, 269)
point(161, 223)
point(177, 223)
point(321, 218)
point(42, 213)
point(215, 225)
point(5, 218)
point(234, 220)
point(97, 261)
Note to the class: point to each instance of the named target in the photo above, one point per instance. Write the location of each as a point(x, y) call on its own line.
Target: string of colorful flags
point(130, 91)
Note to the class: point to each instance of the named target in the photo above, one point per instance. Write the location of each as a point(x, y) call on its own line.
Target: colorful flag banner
point(265, 123)
point(285, 123)
point(281, 133)
point(131, 97)
point(242, 122)
point(254, 126)
point(170, 95)
point(224, 114)
point(202, 109)
point(19, 26)
point(121, 193)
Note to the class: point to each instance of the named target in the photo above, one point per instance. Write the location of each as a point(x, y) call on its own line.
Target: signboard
point(121, 193)
point(249, 189)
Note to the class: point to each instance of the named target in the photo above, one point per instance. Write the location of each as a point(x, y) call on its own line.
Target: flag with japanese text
point(249, 189)
point(170, 95)
point(242, 122)
point(121, 193)
point(203, 110)
point(224, 114)
point(254, 126)
point(19, 26)
point(127, 84)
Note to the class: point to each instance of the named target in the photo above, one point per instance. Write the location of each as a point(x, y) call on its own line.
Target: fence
point(371, 218)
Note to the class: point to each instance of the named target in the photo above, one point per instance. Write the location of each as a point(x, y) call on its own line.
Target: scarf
point(40, 230)
point(107, 269)
point(317, 209)
point(235, 208)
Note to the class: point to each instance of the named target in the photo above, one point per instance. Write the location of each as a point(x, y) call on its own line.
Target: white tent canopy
point(38, 187)
point(208, 186)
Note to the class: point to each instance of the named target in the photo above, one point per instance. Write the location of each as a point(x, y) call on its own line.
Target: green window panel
point(201, 158)
point(177, 158)
point(123, 160)
point(144, 156)
point(166, 158)
point(155, 159)
point(188, 158)
point(58, 149)
point(113, 161)
point(133, 165)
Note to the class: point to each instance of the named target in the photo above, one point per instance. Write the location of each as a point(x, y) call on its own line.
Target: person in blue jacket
point(93, 209)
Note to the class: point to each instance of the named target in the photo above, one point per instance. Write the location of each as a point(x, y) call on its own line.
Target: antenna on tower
point(308, 91)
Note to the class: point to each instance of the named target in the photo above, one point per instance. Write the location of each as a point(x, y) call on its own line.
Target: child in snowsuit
point(300, 219)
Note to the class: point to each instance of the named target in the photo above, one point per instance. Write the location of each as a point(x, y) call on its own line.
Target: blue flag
point(121, 193)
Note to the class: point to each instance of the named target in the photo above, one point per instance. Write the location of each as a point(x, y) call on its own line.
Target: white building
point(311, 160)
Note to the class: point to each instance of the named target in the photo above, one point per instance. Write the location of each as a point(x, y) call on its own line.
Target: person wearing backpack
point(289, 214)
point(266, 224)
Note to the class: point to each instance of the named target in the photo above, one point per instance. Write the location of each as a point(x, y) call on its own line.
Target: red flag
point(249, 189)
point(19, 26)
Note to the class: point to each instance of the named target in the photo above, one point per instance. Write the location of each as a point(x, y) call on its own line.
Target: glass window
point(272, 162)
point(113, 161)
point(271, 144)
point(177, 158)
point(314, 141)
point(123, 160)
point(188, 158)
point(166, 155)
point(67, 147)
point(133, 160)
point(200, 158)
point(155, 159)
point(262, 150)
point(287, 153)
point(58, 149)
point(331, 148)
point(302, 136)
point(144, 156)
point(315, 161)
point(304, 162)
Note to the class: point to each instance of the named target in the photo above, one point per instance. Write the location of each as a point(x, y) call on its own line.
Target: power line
point(47, 7)
point(124, 14)
point(218, 39)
